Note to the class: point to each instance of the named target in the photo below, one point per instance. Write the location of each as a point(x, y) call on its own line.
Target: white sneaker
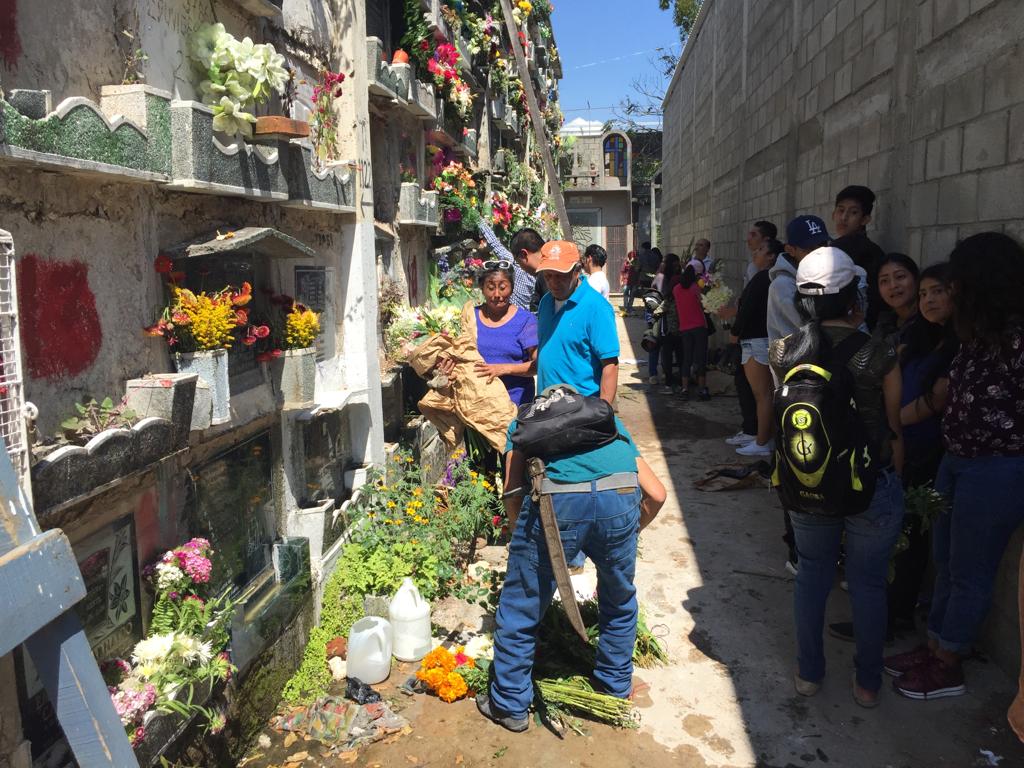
point(791, 567)
point(740, 438)
point(753, 449)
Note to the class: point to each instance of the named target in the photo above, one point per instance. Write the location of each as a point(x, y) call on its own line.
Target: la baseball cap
point(558, 256)
point(807, 232)
point(825, 271)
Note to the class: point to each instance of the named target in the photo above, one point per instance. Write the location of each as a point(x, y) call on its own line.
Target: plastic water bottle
point(369, 650)
point(410, 623)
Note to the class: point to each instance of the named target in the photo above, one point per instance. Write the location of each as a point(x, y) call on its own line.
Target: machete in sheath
point(549, 524)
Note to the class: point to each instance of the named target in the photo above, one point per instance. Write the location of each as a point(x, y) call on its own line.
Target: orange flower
point(439, 658)
point(453, 688)
point(242, 297)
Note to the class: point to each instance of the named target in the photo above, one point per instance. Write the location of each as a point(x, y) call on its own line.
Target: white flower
point(229, 118)
point(480, 647)
point(192, 649)
point(206, 42)
point(153, 649)
point(168, 576)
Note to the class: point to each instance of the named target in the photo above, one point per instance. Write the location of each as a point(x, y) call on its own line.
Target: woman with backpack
point(982, 473)
point(751, 329)
point(839, 476)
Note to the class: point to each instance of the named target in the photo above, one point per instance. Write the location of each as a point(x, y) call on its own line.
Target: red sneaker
point(931, 680)
point(901, 663)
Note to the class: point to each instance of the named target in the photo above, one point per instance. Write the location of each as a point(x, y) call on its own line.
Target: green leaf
point(81, 408)
point(107, 404)
point(72, 422)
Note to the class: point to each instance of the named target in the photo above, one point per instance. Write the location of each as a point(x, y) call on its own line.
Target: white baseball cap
point(825, 271)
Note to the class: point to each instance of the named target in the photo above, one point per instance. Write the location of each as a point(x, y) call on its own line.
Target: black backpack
point(561, 421)
point(825, 463)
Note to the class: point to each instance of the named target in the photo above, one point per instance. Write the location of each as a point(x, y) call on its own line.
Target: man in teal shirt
point(595, 496)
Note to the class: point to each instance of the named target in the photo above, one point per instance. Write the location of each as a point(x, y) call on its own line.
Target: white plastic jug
point(410, 622)
point(369, 650)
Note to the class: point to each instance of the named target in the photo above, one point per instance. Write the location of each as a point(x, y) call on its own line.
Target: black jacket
point(752, 318)
point(868, 256)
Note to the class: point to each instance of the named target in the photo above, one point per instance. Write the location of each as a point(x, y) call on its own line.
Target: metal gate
point(615, 244)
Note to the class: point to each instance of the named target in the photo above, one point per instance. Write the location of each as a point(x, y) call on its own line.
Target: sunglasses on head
point(498, 264)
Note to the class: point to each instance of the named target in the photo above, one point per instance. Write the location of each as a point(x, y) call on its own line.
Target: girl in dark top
point(982, 473)
point(751, 330)
point(693, 332)
point(670, 349)
point(828, 288)
point(897, 287)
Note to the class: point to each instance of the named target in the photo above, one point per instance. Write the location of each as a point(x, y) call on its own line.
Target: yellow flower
point(391, 505)
point(417, 492)
point(473, 474)
point(487, 485)
point(301, 327)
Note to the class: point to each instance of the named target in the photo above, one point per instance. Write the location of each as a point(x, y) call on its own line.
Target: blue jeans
point(986, 505)
point(870, 537)
point(604, 525)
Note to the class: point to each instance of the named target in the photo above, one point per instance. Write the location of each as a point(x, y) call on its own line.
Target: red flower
point(243, 296)
point(261, 331)
point(424, 44)
point(496, 521)
point(266, 357)
point(241, 317)
point(163, 264)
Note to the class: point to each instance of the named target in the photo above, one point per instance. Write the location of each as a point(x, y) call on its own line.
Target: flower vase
point(212, 367)
point(294, 376)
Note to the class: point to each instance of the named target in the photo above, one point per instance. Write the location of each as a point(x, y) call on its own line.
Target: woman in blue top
point(506, 336)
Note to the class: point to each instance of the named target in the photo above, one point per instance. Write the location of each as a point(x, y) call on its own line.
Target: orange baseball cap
point(558, 256)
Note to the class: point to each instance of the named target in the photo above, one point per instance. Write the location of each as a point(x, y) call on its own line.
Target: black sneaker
point(704, 395)
point(514, 724)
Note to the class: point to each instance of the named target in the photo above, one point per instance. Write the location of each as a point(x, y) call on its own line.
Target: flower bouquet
point(238, 74)
point(412, 326)
point(441, 673)
point(198, 322)
point(714, 293)
point(457, 197)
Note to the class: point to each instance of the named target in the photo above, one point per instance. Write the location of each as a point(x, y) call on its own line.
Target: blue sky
point(604, 45)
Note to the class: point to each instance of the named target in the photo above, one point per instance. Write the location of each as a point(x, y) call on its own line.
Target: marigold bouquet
point(440, 673)
point(196, 322)
point(301, 327)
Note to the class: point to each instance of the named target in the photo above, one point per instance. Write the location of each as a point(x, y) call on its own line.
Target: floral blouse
point(985, 411)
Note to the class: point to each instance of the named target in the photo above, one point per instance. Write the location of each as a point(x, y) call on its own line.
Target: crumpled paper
point(469, 399)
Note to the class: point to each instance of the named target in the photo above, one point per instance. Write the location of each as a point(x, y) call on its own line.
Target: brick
point(914, 245)
point(924, 204)
point(852, 39)
point(917, 161)
point(844, 14)
point(828, 26)
point(977, 5)
point(863, 68)
point(844, 81)
point(964, 97)
point(926, 112)
point(873, 19)
point(944, 154)
point(985, 142)
point(885, 51)
point(925, 14)
point(948, 14)
point(1004, 86)
point(869, 137)
point(1015, 150)
point(958, 199)
point(937, 243)
point(1001, 193)
point(880, 171)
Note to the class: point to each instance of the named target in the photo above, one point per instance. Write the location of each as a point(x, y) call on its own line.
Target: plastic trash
point(410, 623)
point(360, 692)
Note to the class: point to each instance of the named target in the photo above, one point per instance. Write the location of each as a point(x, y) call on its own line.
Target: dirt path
point(711, 577)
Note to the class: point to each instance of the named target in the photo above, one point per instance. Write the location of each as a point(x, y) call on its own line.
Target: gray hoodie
point(783, 318)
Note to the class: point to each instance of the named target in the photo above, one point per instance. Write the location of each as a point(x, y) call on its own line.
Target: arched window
point(616, 156)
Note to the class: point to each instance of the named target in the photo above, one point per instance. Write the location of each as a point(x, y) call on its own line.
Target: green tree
point(684, 14)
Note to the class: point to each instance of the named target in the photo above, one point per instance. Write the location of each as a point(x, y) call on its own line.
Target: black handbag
point(561, 421)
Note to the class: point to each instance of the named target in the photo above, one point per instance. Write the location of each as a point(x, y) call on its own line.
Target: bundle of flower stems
point(575, 694)
point(647, 652)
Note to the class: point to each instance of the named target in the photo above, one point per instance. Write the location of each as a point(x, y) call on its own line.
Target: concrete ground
point(712, 577)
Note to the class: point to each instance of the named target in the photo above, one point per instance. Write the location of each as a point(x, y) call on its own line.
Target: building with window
point(597, 180)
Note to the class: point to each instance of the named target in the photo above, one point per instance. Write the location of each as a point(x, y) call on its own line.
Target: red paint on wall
point(60, 329)
point(10, 43)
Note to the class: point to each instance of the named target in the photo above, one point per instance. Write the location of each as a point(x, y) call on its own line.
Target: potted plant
point(200, 328)
point(294, 371)
point(238, 75)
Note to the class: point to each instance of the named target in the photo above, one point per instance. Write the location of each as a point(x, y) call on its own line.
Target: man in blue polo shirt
point(595, 496)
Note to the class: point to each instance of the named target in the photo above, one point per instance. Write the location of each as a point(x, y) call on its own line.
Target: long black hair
point(925, 338)
point(689, 276)
point(988, 288)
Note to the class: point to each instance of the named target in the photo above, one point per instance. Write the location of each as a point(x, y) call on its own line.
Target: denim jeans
point(604, 525)
point(870, 537)
point(986, 496)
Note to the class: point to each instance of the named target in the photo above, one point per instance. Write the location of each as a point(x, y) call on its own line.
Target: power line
point(625, 56)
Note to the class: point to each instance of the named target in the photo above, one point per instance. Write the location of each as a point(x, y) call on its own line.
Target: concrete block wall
point(778, 105)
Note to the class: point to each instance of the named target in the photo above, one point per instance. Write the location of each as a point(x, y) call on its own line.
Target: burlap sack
point(469, 399)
